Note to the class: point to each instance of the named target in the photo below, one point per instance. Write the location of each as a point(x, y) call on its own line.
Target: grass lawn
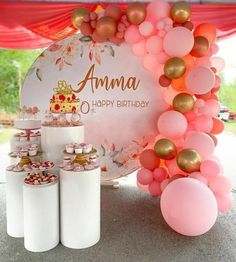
point(230, 126)
point(6, 134)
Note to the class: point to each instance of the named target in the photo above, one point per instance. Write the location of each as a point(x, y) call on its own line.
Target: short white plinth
point(41, 216)
point(80, 208)
point(14, 203)
point(54, 139)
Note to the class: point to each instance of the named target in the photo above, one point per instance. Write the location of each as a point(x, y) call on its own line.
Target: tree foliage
point(14, 65)
point(227, 94)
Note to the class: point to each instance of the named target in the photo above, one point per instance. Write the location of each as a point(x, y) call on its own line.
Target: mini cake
point(64, 100)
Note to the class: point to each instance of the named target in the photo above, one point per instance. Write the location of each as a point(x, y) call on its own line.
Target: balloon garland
point(181, 167)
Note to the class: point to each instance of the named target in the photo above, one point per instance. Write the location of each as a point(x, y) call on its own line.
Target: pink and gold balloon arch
point(181, 56)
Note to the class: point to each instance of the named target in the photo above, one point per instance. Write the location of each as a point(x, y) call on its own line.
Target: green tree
point(14, 65)
point(227, 94)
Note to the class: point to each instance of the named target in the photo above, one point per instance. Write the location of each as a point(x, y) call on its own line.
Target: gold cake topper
point(63, 88)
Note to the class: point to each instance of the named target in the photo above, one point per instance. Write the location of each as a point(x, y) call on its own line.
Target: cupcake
point(66, 160)
point(36, 146)
point(87, 148)
point(70, 148)
point(33, 151)
point(78, 168)
point(17, 168)
point(23, 152)
point(78, 149)
point(75, 119)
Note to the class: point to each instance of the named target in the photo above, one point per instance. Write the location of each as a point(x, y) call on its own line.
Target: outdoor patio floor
point(132, 229)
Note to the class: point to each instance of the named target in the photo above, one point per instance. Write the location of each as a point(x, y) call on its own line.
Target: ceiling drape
point(31, 25)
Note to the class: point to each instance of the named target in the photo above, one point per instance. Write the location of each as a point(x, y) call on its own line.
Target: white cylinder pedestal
point(80, 208)
point(41, 216)
point(54, 139)
point(14, 203)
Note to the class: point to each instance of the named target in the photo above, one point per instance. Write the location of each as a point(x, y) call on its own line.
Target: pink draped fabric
point(30, 25)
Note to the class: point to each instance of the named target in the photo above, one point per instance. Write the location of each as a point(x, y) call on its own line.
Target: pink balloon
point(169, 94)
point(178, 42)
point(203, 123)
point(160, 174)
point(132, 35)
point(164, 184)
point(214, 48)
point(224, 202)
point(217, 81)
point(220, 184)
point(203, 61)
point(199, 177)
point(162, 57)
point(154, 45)
point(150, 62)
point(168, 21)
point(213, 107)
point(146, 28)
point(142, 188)
point(199, 103)
point(144, 176)
point(218, 63)
point(173, 168)
point(160, 25)
point(210, 168)
point(158, 9)
point(188, 207)
point(201, 142)
point(155, 188)
point(190, 116)
point(139, 49)
point(172, 124)
point(200, 80)
point(162, 33)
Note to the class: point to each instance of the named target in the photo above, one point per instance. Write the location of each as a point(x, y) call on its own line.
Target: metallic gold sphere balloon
point(183, 102)
point(165, 149)
point(174, 68)
point(188, 160)
point(78, 16)
point(106, 26)
point(200, 47)
point(136, 13)
point(180, 12)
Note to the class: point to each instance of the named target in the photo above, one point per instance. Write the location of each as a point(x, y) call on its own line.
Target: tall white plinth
point(80, 208)
point(54, 139)
point(41, 216)
point(14, 203)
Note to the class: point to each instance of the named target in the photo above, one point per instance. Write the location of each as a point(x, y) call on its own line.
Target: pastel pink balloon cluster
point(189, 123)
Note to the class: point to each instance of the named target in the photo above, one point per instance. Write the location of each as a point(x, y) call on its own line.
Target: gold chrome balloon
point(188, 160)
point(183, 102)
point(174, 67)
point(78, 16)
point(165, 149)
point(180, 12)
point(200, 47)
point(106, 26)
point(136, 13)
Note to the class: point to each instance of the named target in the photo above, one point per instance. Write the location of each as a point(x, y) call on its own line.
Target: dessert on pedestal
point(15, 175)
point(62, 124)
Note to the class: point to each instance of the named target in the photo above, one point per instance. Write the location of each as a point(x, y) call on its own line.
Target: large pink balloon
point(213, 107)
point(188, 207)
point(172, 124)
point(154, 44)
point(158, 9)
point(178, 42)
point(200, 80)
point(201, 142)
